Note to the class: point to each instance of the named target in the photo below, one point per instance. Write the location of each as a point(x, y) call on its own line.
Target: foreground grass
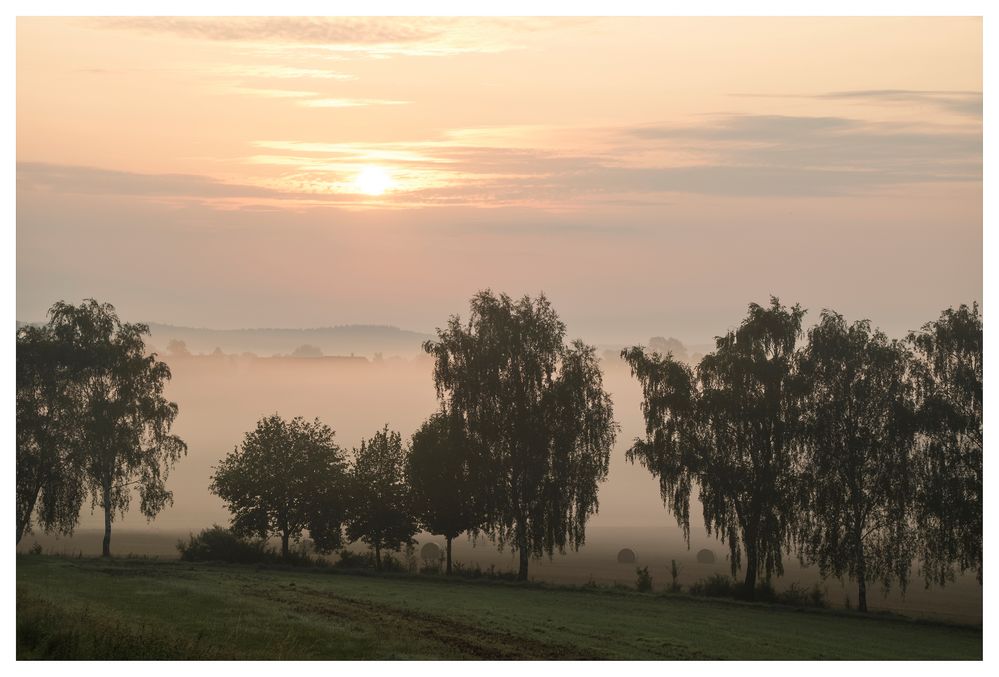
point(145, 609)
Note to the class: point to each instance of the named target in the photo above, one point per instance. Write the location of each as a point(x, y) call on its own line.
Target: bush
point(717, 585)
point(462, 571)
point(675, 574)
point(392, 563)
point(355, 560)
point(219, 544)
point(798, 595)
point(723, 586)
point(644, 580)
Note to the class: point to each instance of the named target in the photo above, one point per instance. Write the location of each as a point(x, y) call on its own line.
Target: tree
point(856, 470)
point(380, 509)
point(122, 419)
point(287, 476)
point(948, 376)
point(50, 486)
point(442, 477)
point(729, 428)
point(536, 409)
point(178, 348)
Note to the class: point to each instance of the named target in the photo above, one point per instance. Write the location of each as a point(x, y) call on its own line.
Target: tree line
point(858, 453)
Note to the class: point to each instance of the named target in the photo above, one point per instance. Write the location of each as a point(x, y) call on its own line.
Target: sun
point(373, 180)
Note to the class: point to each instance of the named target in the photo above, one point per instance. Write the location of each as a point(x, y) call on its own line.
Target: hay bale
point(705, 556)
point(626, 556)
point(430, 554)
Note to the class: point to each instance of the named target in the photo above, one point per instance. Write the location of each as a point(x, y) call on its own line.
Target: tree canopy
point(536, 409)
point(856, 467)
point(381, 512)
point(50, 483)
point(286, 477)
point(730, 429)
point(948, 376)
point(442, 474)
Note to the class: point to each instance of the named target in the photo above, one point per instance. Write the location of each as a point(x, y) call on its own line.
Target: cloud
point(377, 37)
point(75, 179)
point(272, 93)
point(959, 102)
point(319, 30)
point(741, 156)
point(349, 103)
point(271, 71)
point(876, 153)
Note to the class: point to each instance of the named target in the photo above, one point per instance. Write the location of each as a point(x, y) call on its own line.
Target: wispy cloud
point(76, 179)
point(958, 102)
point(750, 155)
point(309, 30)
point(734, 156)
point(378, 37)
point(269, 71)
point(272, 93)
point(349, 103)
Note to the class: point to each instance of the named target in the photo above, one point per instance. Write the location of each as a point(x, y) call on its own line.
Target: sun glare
point(373, 181)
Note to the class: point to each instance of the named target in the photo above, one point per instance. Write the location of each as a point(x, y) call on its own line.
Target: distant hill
point(359, 339)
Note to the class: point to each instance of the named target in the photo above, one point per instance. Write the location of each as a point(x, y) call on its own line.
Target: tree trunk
point(524, 555)
point(378, 557)
point(861, 577)
point(284, 545)
point(752, 560)
point(22, 520)
point(106, 548)
point(448, 555)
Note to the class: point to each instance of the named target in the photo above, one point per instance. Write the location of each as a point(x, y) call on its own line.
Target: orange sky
point(652, 175)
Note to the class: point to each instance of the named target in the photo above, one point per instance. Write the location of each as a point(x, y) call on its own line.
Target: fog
point(222, 398)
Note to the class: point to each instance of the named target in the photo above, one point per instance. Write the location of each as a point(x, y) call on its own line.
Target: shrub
point(219, 544)
point(644, 580)
point(675, 574)
point(798, 595)
point(35, 549)
point(355, 560)
point(392, 563)
point(717, 585)
point(462, 571)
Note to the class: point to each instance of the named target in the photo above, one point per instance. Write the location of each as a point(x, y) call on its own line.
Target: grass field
point(128, 609)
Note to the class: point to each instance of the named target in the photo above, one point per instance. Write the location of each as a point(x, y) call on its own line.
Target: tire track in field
point(468, 639)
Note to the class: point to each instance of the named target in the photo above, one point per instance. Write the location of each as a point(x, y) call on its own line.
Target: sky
point(652, 176)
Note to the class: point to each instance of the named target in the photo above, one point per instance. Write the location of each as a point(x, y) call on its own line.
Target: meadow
point(87, 608)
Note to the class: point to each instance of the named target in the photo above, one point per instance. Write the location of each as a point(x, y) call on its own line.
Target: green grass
point(132, 609)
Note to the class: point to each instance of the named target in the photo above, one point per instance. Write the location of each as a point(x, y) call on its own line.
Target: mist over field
point(222, 396)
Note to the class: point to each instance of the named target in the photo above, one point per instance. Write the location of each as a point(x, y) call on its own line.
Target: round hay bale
point(705, 556)
point(626, 556)
point(430, 553)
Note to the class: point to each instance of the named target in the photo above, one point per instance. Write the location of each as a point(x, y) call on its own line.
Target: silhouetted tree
point(671, 345)
point(122, 420)
point(178, 348)
point(537, 410)
point(858, 436)
point(442, 478)
point(949, 508)
point(731, 430)
point(50, 486)
point(287, 476)
point(381, 512)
